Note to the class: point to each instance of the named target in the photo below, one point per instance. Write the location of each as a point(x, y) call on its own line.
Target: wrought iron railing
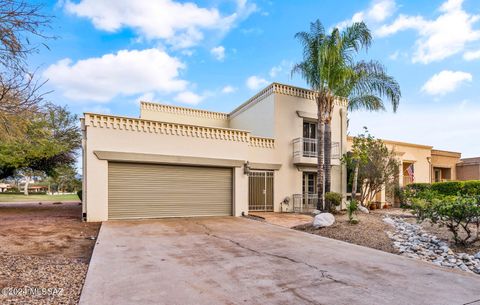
point(304, 203)
point(306, 147)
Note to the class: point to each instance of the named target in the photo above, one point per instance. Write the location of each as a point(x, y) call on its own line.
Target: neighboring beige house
point(420, 164)
point(176, 161)
point(468, 169)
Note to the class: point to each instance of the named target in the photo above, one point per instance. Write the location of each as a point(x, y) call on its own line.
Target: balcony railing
point(304, 203)
point(305, 147)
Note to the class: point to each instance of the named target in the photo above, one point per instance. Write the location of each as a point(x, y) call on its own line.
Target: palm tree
point(330, 69)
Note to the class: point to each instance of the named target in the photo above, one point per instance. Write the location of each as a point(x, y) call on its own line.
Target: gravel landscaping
point(44, 254)
point(412, 241)
point(396, 231)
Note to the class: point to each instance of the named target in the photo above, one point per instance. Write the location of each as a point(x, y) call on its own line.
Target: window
point(309, 130)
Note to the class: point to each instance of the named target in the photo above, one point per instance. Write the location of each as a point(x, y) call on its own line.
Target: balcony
point(305, 152)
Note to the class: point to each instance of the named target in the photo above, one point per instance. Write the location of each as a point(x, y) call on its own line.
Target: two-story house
point(175, 161)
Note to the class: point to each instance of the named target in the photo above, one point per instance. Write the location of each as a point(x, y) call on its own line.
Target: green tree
point(374, 166)
point(330, 69)
point(51, 139)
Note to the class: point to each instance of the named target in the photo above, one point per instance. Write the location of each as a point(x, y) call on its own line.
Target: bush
point(457, 213)
point(419, 187)
point(450, 188)
point(332, 201)
point(79, 194)
point(471, 188)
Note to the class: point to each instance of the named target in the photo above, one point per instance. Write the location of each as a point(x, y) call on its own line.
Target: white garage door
point(156, 191)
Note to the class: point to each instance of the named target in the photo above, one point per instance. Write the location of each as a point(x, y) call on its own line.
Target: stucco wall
point(257, 118)
point(468, 172)
point(118, 140)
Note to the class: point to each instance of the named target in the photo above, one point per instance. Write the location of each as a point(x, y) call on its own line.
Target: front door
point(260, 191)
point(309, 186)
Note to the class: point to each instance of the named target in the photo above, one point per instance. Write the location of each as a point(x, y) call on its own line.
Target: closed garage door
point(155, 191)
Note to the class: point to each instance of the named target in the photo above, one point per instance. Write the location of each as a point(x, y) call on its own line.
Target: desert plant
point(332, 201)
point(352, 208)
point(460, 214)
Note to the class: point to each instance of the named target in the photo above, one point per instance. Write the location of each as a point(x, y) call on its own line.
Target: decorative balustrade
point(176, 129)
point(262, 142)
point(184, 111)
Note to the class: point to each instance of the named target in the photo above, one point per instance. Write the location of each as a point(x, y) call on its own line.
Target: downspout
point(84, 169)
point(343, 172)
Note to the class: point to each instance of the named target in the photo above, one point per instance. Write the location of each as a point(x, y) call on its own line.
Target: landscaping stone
point(363, 209)
point(323, 220)
point(410, 240)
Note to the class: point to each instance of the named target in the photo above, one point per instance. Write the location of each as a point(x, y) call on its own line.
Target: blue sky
point(215, 54)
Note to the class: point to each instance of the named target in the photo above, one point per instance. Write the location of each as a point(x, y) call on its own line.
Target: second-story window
point(309, 130)
point(309, 139)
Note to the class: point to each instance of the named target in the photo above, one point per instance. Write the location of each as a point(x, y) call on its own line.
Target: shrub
point(352, 208)
point(332, 201)
point(457, 213)
point(79, 194)
point(471, 188)
point(450, 188)
point(419, 187)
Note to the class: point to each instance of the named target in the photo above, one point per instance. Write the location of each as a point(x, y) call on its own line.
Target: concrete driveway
point(240, 261)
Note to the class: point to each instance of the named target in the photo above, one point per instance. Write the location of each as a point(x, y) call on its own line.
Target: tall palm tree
point(330, 69)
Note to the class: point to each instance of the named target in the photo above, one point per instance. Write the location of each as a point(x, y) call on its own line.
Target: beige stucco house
point(176, 161)
point(468, 169)
point(427, 165)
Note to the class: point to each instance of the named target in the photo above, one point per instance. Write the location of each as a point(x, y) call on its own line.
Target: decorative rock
point(363, 209)
point(410, 240)
point(323, 220)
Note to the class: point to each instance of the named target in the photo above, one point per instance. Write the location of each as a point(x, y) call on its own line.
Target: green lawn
point(37, 198)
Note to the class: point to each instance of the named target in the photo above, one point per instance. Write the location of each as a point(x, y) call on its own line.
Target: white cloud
point(471, 55)
point(449, 126)
point(378, 11)
point(445, 82)
point(146, 97)
point(123, 73)
point(188, 97)
point(218, 53)
point(228, 89)
point(255, 82)
point(439, 38)
point(284, 66)
point(181, 24)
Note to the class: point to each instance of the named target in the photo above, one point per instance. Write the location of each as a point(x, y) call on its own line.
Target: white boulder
point(363, 209)
point(323, 220)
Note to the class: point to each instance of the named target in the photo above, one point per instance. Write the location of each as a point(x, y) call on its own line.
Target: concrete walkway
point(240, 261)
